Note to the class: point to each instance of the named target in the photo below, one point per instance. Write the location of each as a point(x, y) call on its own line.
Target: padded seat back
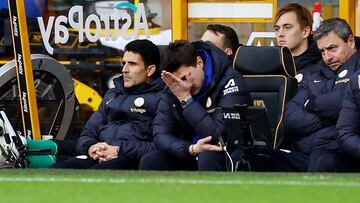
point(269, 73)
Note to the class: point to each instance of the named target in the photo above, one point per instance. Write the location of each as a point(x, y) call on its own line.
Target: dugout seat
point(269, 73)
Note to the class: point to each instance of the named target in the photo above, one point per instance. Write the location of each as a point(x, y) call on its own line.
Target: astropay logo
point(61, 32)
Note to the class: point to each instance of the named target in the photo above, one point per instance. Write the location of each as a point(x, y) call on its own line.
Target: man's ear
point(228, 51)
point(306, 32)
point(151, 70)
point(351, 41)
point(199, 62)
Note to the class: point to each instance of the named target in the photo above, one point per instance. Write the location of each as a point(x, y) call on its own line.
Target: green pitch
point(50, 186)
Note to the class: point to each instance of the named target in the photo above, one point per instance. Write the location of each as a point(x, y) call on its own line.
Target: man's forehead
point(217, 33)
point(289, 18)
point(179, 72)
point(329, 40)
point(211, 33)
point(326, 45)
point(283, 24)
point(213, 37)
point(130, 55)
point(182, 70)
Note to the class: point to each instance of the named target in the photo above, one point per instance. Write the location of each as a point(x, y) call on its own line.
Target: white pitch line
point(180, 181)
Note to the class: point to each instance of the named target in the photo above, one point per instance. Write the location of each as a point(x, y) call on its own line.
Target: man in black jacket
point(311, 116)
point(293, 26)
point(223, 37)
point(188, 123)
point(347, 159)
point(119, 133)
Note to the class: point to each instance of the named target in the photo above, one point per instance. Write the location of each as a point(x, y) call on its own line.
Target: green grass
point(132, 186)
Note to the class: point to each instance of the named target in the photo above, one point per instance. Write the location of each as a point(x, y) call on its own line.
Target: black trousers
point(66, 149)
point(158, 160)
point(325, 160)
point(206, 161)
point(121, 162)
point(255, 159)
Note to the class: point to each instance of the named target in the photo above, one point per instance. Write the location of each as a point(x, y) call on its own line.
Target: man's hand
point(93, 149)
point(179, 87)
point(203, 145)
point(110, 152)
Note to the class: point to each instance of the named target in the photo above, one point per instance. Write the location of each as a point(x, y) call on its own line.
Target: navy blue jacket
point(325, 91)
point(310, 60)
point(124, 118)
point(174, 127)
point(348, 125)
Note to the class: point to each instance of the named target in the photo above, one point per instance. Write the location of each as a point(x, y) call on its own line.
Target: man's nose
point(281, 32)
point(125, 68)
point(327, 56)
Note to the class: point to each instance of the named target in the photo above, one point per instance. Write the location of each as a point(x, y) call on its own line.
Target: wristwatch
point(185, 103)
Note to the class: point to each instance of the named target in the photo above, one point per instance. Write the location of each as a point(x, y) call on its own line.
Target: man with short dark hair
point(311, 116)
point(119, 133)
point(189, 122)
point(223, 37)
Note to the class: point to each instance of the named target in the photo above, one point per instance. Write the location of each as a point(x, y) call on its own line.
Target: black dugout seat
point(269, 74)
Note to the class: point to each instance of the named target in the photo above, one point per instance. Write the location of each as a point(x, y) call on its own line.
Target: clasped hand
point(103, 152)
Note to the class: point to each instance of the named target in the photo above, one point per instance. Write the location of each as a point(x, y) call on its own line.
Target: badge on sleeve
point(230, 87)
